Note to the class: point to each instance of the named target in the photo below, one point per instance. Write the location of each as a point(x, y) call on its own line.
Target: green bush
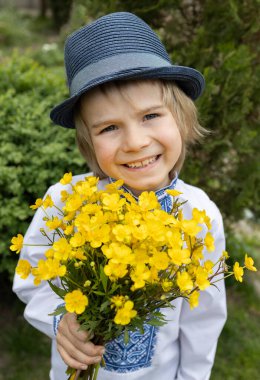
point(34, 153)
point(9, 34)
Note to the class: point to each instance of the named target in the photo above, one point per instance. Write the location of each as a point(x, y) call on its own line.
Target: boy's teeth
point(141, 164)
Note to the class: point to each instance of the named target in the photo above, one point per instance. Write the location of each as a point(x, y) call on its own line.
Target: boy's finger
point(70, 361)
point(78, 356)
point(74, 328)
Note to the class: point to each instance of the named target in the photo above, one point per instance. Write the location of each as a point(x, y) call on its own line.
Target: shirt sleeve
point(200, 328)
point(41, 300)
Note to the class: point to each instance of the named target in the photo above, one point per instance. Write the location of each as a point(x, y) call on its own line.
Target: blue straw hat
point(118, 46)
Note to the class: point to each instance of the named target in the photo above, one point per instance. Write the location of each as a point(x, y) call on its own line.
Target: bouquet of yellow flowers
point(121, 260)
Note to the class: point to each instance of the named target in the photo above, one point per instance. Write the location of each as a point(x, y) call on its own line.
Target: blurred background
point(221, 39)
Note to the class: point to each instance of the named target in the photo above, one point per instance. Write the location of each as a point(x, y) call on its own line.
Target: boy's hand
point(73, 345)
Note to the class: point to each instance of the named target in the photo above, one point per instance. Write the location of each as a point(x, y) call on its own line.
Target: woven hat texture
point(118, 46)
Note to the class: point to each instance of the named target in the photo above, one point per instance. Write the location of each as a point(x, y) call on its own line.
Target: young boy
point(134, 119)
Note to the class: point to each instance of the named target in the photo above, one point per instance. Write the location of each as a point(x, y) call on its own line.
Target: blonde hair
point(181, 106)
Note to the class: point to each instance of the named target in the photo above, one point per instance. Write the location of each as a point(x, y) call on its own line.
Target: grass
point(24, 352)
point(238, 350)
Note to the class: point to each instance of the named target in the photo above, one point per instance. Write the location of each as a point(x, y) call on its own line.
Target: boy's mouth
point(142, 163)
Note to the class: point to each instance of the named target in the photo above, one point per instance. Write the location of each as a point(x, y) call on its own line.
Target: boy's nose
point(135, 139)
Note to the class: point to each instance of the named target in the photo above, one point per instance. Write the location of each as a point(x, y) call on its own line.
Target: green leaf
point(60, 292)
point(104, 305)
point(114, 287)
point(98, 292)
point(59, 310)
point(156, 322)
point(103, 278)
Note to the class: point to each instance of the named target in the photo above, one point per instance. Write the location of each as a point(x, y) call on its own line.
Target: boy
point(134, 119)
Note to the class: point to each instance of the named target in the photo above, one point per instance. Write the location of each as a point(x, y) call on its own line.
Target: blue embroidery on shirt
point(135, 355)
point(163, 197)
point(57, 319)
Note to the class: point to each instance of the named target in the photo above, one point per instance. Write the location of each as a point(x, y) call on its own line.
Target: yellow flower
point(115, 270)
point(49, 253)
point(69, 216)
point(66, 179)
point(77, 240)
point(125, 314)
point(179, 256)
point(167, 285)
point(117, 301)
point(99, 235)
point(208, 265)
point(84, 189)
point(249, 263)
point(148, 201)
point(122, 233)
point(174, 192)
point(197, 254)
point(118, 253)
point(17, 242)
point(140, 255)
point(62, 249)
point(23, 268)
point(113, 186)
point(225, 255)
point(48, 202)
point(76, 302)
point(69, 229)
point(156, 230)
point(78, 254)
point(55, 269)
point(73, 203)
point(41, 272)
point(139, 275)
point(160, 260)
point(112, 202)
point(174, 238)
point(194, 299)
point(47, 270)
point(201, 217)
point(54, 223)
point(140, 232)
point(209, 242)
point(190, 227)
point(202, 278)
point(238, 272)
point(184, 281)
point(64, 195)
point(38, 203)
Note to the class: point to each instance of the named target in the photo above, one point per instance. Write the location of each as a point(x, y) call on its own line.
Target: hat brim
point(188, 79)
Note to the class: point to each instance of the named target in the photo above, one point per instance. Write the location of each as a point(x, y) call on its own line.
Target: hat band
point(113, 65)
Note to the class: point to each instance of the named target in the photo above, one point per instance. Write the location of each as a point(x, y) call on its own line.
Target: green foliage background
point(33, 153)
point(217, 38)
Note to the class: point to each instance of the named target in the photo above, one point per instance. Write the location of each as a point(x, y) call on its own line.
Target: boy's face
point(134, 135)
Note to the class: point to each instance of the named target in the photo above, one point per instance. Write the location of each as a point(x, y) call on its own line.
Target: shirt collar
point(163, 197)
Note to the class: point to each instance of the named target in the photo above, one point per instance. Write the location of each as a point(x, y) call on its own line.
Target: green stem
point(230, 274)
point(37, 245)
point(59, 210)
point(96, 371)
point(73, 282)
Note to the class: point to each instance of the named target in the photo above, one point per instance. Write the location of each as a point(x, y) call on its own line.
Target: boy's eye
point(151, 116)
point(109, 128)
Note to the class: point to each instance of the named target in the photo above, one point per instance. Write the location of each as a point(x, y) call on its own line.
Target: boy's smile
point(134, 135)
